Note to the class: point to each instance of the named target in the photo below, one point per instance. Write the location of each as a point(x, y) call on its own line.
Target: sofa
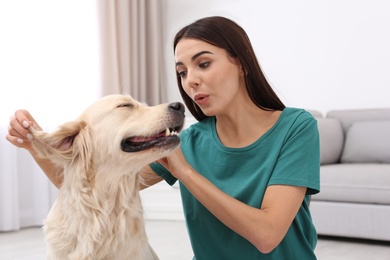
point(354, 200)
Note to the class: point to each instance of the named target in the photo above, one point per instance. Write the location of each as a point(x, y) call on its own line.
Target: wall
point(317, 54)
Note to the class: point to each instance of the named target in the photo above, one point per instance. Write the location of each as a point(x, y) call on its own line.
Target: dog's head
point(116, 131)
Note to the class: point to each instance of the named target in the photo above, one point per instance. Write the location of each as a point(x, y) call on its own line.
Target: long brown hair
point(228, 35)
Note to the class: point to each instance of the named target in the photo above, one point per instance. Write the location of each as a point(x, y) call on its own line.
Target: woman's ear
point(243, 71)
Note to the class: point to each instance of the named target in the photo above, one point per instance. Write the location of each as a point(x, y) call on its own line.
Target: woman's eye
point(204, 65)
point(182, 74)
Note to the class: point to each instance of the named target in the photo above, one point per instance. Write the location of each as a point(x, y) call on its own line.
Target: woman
point(248, 167)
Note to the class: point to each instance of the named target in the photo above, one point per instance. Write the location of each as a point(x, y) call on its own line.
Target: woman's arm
point(264, 227)
point(149, 177)
point(20, 136)
point(55, 174)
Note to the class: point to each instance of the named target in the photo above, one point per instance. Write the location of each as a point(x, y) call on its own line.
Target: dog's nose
point(177, 106)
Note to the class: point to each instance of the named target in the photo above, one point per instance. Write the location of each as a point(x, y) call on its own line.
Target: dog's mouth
point(168, 137)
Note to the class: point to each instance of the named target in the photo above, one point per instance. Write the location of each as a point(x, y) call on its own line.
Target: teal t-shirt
point(287, 154)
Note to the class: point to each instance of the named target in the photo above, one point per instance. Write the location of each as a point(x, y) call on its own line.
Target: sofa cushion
point(331, 140)
point(367, 142)
point(356, 183)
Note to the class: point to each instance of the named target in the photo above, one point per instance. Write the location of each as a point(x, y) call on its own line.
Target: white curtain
point(9, 216)
point(132, 49)
point(48, 65)
point(26, 195)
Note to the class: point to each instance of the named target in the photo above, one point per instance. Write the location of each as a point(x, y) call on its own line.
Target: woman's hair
point(228, 35)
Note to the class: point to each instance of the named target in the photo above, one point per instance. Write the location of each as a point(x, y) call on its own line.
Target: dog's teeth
point(167, 132)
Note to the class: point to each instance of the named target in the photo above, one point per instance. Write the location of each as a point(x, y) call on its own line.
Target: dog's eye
point(129, 105)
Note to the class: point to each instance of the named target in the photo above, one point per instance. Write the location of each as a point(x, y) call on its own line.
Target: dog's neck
point(104, 188)
point(107, 206)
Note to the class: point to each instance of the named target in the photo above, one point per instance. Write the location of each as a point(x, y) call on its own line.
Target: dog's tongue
point(140, 139)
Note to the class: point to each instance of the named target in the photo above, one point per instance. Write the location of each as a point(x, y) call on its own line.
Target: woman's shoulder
point(195, 128)
point(296, 120)
point(297, 114)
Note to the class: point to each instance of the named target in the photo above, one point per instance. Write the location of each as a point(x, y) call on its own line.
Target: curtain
point(26, 195)
point(132, 49)
point(9, 215)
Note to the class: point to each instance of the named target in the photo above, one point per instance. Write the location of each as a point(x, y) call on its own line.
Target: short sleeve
point(299, 159)
point(164, 173)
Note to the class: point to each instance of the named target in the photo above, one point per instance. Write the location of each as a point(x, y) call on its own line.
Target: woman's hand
point(20, 136)
point(177, 164)
point(18, 133)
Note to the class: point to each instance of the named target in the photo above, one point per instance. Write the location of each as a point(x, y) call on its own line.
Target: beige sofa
point(355, 174)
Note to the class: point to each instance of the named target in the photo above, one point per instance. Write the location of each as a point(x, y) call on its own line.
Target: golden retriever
point(98, 212)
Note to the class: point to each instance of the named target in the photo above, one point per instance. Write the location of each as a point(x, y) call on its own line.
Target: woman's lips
point(201, 99)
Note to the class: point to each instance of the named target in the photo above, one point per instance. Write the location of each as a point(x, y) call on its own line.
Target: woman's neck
point(245, 125)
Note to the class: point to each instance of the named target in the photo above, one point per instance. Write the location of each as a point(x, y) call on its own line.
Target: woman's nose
point(192, 79)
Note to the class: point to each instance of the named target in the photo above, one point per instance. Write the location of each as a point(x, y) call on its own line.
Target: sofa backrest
point(348, 117)
point(355, 136)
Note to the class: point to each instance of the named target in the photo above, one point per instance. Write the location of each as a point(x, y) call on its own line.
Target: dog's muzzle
point(167, 138)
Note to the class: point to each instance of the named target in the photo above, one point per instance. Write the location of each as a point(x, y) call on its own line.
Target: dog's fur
point(98, 212)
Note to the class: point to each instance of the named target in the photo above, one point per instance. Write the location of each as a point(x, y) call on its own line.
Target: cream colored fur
point(98, 212)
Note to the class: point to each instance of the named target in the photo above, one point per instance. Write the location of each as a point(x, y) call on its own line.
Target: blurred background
point(57, 57)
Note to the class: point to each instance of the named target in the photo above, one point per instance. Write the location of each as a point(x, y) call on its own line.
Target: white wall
point(49, 58)
point(317, 54)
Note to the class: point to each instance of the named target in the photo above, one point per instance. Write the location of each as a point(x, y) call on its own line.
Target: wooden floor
point(170, 241)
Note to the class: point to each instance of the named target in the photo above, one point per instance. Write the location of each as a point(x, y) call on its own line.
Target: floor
point(170, 241)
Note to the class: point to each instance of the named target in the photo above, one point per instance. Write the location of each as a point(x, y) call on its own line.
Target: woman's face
point(212, 78)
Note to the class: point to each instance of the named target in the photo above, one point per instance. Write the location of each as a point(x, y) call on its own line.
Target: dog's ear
point(60, 145)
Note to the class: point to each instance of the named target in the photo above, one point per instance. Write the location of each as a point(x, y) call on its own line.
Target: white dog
point(98, 212)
